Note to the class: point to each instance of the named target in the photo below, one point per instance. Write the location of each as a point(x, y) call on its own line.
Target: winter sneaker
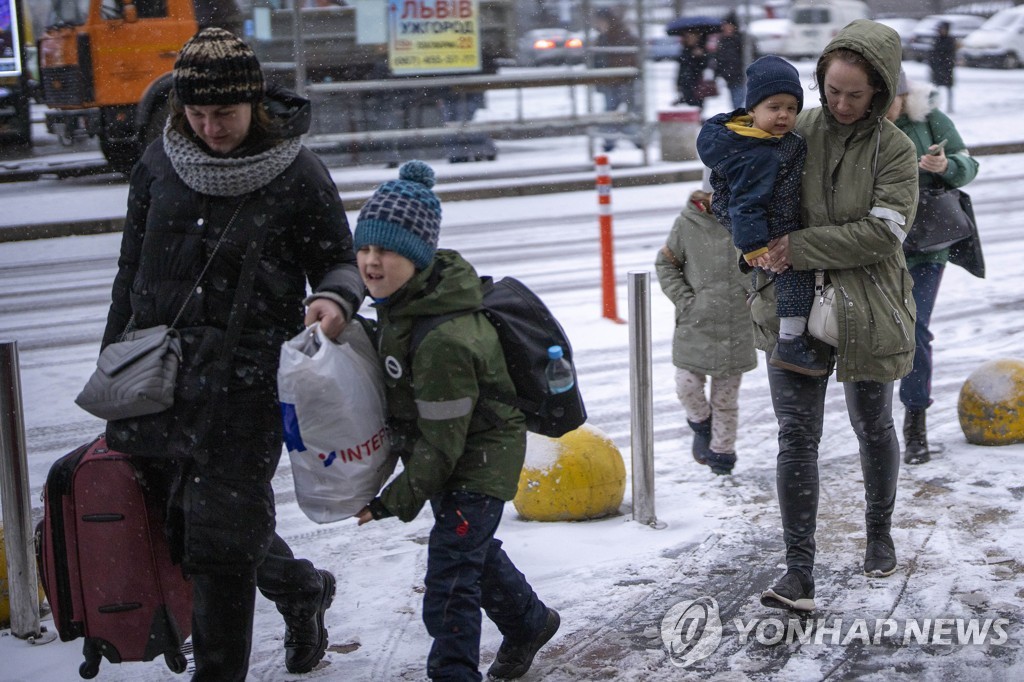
point(794, 591)
point(305, 640)
point(880, 556)
point(514, 659)
point(915, 436)
point(701, 440)
point(721, 463)
point(800, 356)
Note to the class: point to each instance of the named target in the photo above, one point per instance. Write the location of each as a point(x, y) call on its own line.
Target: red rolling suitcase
point(105, 563)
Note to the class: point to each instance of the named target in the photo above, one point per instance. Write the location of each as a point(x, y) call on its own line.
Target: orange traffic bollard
point(604, 213)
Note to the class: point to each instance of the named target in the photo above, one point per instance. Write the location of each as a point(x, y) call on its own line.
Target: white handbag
point(823, 322)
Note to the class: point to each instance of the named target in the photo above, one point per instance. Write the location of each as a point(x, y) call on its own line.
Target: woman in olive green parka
point(858, 198)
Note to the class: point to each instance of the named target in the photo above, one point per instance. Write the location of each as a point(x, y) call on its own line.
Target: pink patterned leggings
point(723, 404)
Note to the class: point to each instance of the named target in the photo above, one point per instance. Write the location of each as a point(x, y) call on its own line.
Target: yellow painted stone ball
point(576, 477)
point(5, 586)
point(991, 405)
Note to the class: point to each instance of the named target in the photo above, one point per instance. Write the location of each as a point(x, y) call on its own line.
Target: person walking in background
point(729, 60)
point(620, 49)
point(228, 170)
point(756, 162)
point(858, 197)
point(713, 336)
point(914, 113)
point(462, 452)
point(693, 59)
point(942, 60)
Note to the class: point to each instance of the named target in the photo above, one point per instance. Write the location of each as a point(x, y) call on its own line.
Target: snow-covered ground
point(957, 522)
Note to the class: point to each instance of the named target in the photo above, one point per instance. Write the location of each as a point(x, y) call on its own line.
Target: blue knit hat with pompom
point(403, 216)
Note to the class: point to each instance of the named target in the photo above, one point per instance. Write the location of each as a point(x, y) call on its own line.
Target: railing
point(521, 125)
point(320, 54)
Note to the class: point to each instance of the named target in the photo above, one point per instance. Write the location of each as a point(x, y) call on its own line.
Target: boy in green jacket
point(465, 461)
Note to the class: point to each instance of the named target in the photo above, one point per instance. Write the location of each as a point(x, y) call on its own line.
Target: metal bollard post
point(299, 48)
point(14, 493)
point(641, 399)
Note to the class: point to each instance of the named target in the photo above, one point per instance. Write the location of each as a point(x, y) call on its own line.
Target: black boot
point(879, 556)
point(721, 463)
point(701, 440)
point(514, 659)
point(794, 592)
point(915, 438)
point(305, 638)
point(800, 355)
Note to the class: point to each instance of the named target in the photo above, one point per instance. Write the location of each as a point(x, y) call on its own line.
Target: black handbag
point(944, 217)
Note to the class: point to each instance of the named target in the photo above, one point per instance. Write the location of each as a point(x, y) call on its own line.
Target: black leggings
point(799, 403)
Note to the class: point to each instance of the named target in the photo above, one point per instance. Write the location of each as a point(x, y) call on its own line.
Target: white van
point(813, 23)
point(998, 42)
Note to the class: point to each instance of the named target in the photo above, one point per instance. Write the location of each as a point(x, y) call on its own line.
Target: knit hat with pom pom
point(403, 216)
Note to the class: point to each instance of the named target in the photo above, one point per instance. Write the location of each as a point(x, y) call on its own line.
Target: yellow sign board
point(433, 36)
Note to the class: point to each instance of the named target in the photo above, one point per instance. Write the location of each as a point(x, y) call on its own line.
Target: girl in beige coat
point(698, 269)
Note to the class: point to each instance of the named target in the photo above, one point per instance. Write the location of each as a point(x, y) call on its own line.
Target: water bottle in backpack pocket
point(558, 372)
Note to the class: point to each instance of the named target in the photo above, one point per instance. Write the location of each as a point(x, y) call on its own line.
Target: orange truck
point(107, 73)
point(106, 70)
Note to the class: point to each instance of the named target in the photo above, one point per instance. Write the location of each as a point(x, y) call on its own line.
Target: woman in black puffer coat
point(229, 169)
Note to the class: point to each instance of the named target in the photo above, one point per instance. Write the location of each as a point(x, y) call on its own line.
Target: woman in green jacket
point(913, 111)
point(858, 196)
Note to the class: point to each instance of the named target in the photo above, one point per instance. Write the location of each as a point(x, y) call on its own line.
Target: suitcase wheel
point(89, 669)
point(176, 661)
point(91, 666)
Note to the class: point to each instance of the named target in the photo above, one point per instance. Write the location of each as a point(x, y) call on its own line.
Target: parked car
point(769, 36)
point(815, 22)
point(550, 46)
point(925, 31)
point(904, 26)
point(998, 42)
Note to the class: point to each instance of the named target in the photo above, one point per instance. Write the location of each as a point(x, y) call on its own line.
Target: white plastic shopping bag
point(332, 402)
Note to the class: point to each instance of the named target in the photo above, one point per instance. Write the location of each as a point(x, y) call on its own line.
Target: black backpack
point(526, 329)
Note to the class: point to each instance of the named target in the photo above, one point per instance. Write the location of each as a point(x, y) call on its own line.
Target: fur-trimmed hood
point(920, 101)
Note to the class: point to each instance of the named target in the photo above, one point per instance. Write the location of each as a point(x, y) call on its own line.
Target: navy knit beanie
point(216, 67)
point(772, 75)
point(403, 216)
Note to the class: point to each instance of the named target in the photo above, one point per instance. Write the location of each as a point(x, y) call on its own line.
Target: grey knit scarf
point(226, 176)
